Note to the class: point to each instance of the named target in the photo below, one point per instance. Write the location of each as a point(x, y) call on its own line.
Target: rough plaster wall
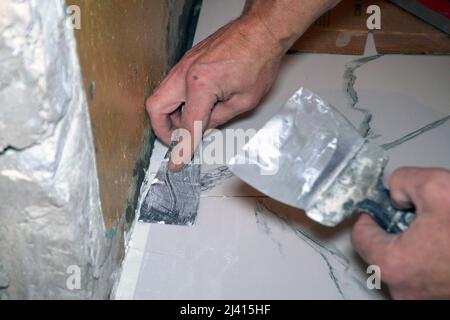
point(50, 216)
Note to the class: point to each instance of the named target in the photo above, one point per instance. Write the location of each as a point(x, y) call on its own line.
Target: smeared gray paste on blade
point(173, 197)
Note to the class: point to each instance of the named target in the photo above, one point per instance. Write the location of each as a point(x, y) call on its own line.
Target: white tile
point(131, 266)
point(233, 253)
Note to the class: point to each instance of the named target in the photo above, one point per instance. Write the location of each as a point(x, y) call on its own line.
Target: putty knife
point(309, 156)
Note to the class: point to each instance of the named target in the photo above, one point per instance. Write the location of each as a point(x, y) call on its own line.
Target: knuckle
point(149, 104)
point(156, 131)
point(357, 234)
point(441, 177)
point(436, 183)
point(398, 175)
point(189, 57)
point(356, 239)
point(182, 67)
point(249, 103)
point(431, 184)
point(245, 102)
point(198, 75)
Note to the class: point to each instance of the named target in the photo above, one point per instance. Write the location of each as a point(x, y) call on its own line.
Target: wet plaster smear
point(245, 245)
point(51, 224)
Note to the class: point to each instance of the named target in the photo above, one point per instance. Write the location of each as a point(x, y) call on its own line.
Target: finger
point(369, 240)
point(164, 101)
point(403, 197)
point(421, 187)
point(227, 110)
point(222, 113)
point(194, 121)
point(175, 117)
point(161, 122)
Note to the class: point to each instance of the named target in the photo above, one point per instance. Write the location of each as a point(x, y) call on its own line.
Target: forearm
point(284, 20)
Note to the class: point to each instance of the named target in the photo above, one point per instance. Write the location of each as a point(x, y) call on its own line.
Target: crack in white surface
point(349, 86)
point(415, 133)
point(332, 257)
point(263, 225)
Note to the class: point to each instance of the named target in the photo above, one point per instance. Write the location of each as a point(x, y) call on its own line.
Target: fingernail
point(178, 158)
point(172, 167)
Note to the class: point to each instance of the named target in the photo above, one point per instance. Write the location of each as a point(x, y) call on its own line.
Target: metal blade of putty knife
point(173, 197)
point(309, 156)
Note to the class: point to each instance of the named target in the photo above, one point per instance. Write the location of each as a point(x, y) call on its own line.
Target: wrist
point(259, 34)
point(283, 21)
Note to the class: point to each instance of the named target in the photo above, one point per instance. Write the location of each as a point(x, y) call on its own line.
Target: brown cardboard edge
point(326, 40)
point(400, 43)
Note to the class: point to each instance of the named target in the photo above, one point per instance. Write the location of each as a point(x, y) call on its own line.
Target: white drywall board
point(245, 245)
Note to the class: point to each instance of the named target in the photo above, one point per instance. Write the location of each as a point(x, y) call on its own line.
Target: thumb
point(194, 121)
point(370, 240)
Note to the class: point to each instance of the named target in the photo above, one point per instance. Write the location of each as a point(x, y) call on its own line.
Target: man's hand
point(221, 77)
point(416, 263)
point(229, 72)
